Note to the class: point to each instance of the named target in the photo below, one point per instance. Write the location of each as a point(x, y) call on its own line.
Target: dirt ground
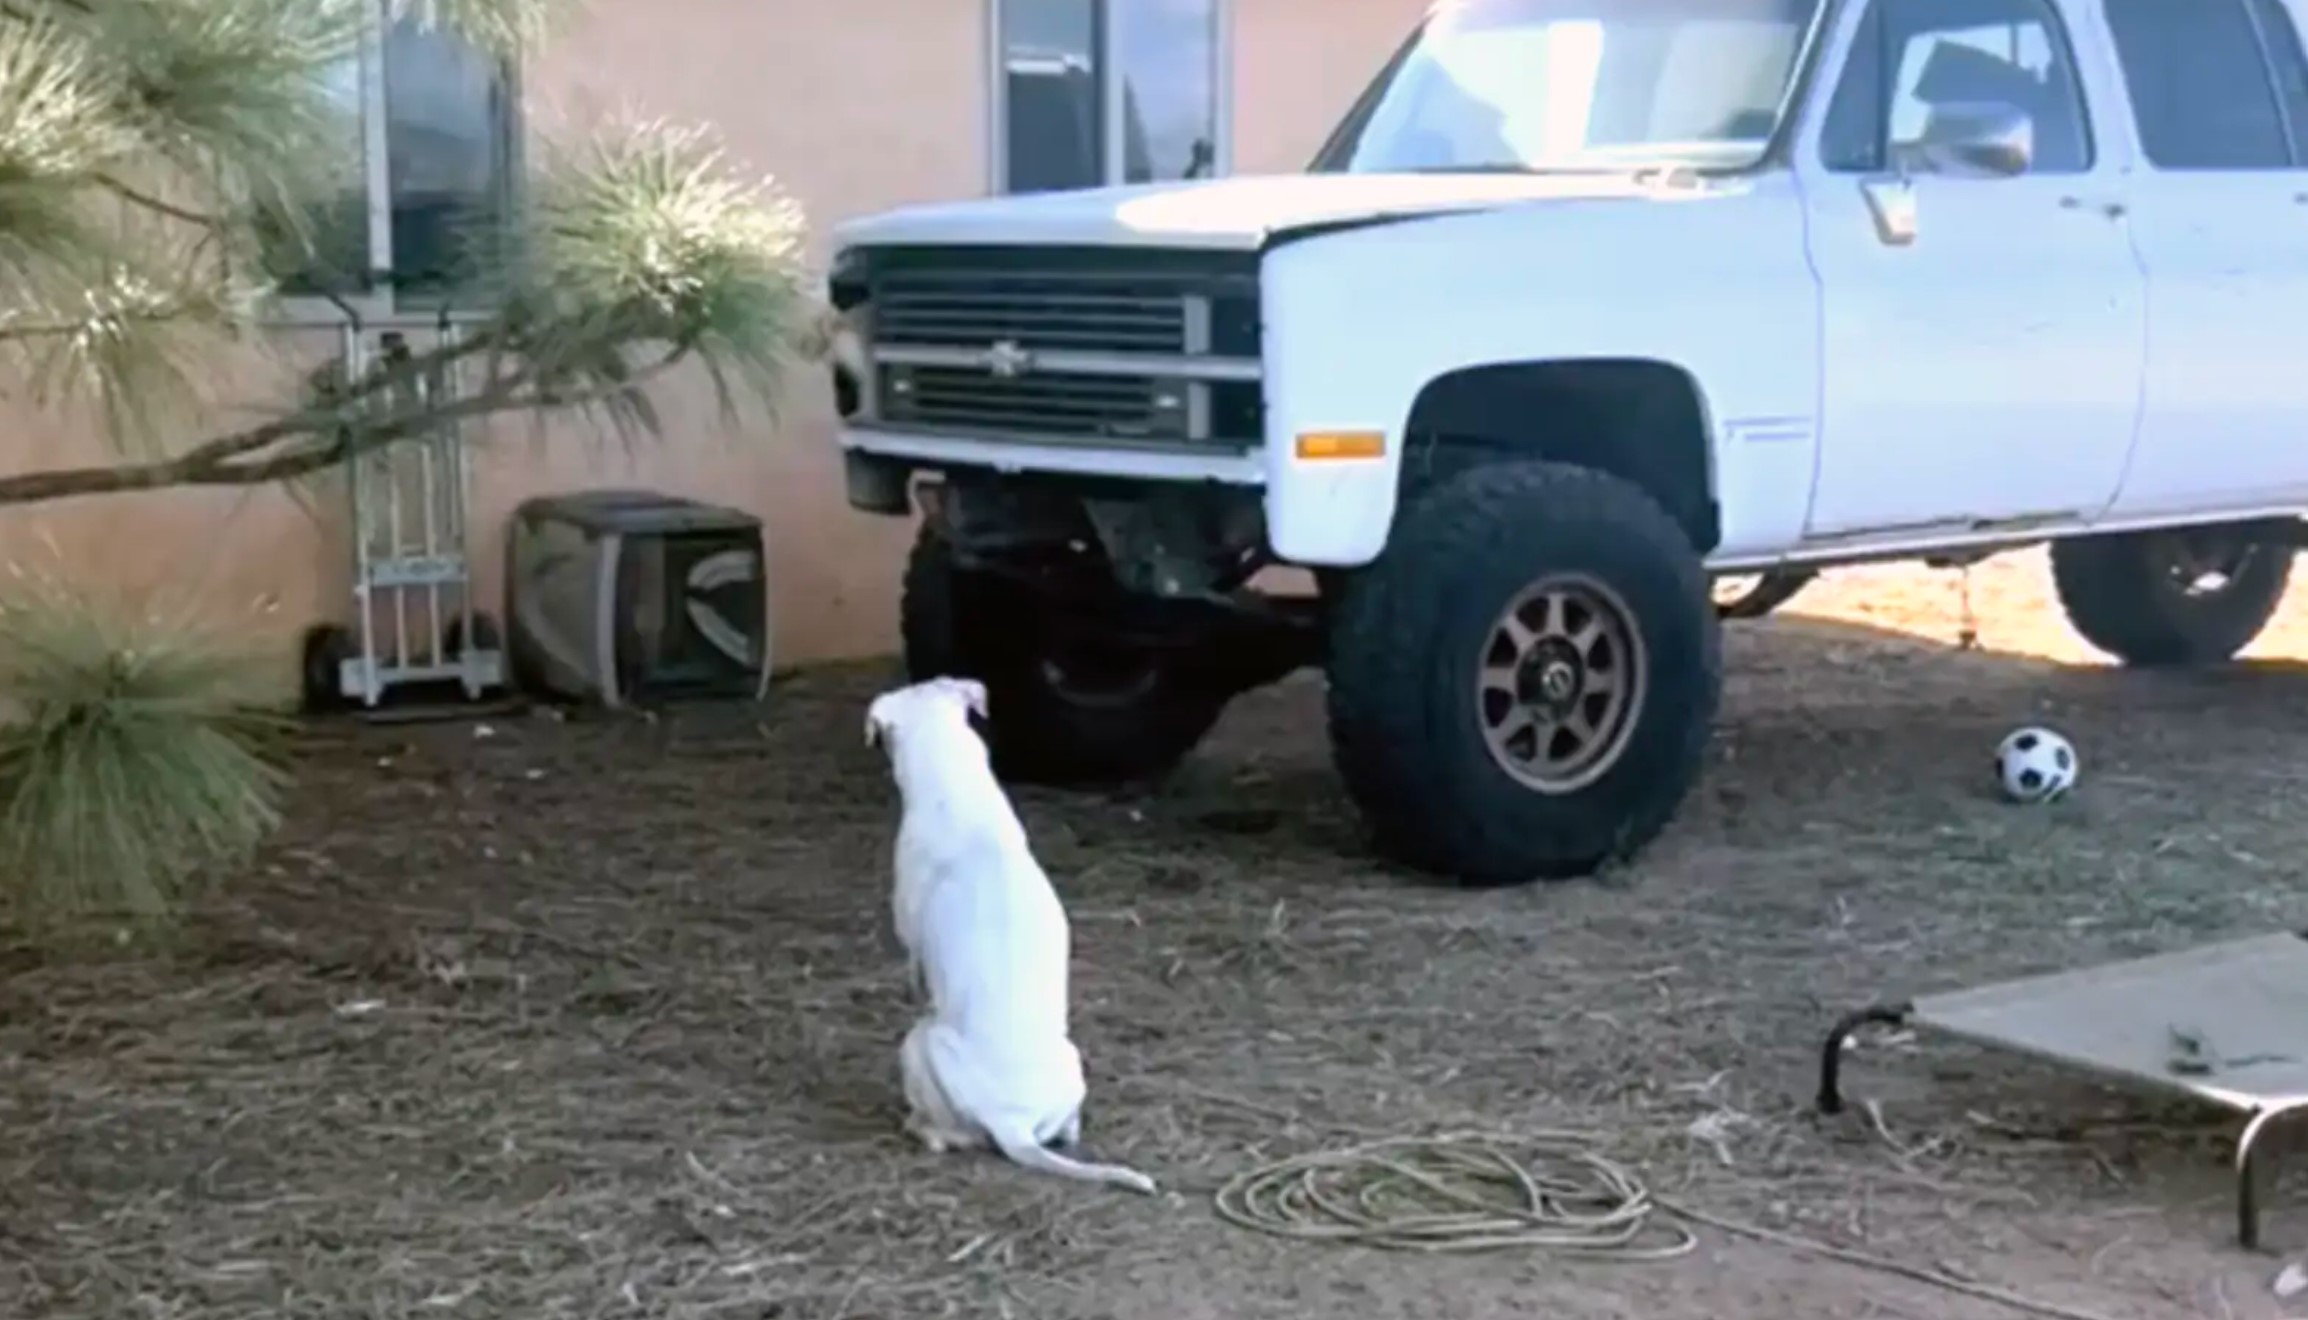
point(597, 1018)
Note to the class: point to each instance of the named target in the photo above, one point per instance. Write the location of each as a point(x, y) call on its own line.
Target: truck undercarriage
point(1165, 574)
point(1122, 620)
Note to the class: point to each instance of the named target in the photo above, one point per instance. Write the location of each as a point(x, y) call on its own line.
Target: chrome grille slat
point(1069, 312)
point(1029, 334)
point(1050, 405)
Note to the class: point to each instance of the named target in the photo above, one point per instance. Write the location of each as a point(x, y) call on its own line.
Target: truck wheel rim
point(1084, 677)
point(1560, 682)
point(2208, 563)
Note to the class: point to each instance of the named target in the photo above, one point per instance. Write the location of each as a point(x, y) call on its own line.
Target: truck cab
point(1585, 303)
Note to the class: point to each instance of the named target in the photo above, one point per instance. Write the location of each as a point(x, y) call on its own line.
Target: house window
point(1097, 92)
point(429, 167)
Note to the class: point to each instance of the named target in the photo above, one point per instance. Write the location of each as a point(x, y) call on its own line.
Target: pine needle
point(643, 240)
point(166, 164)
point(134, 761)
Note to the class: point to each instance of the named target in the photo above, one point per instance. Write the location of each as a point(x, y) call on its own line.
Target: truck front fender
point(1715, 289)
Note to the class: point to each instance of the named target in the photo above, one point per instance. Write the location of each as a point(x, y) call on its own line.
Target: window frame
point(2291, 129)
point(385, 303)
point(2295, 129)
point(1869, 25)
point(1113, 145)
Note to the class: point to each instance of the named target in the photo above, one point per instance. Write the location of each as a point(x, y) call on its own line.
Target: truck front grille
point(1102, 407)
point(1082, 313)
point(1066, 344)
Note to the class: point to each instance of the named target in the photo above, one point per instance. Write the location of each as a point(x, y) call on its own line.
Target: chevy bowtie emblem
point(1008, 359)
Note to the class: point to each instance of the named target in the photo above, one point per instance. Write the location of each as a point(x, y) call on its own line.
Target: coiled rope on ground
point(1465, 1191)
point(1474, 1191)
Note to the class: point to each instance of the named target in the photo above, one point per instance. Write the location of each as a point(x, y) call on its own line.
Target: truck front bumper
point(906, 450)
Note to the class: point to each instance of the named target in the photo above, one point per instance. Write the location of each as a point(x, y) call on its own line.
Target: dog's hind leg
point(1008, 1131)
point(930, 1113)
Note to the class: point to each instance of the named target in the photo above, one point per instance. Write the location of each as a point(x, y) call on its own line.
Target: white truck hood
point(1238, 214)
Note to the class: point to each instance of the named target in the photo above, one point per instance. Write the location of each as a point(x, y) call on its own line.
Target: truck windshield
point(1578, 86)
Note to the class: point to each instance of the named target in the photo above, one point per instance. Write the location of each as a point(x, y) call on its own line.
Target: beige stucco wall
point(854, 107)
point(1298, 65)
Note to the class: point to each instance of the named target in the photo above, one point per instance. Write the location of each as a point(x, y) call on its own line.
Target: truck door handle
point(2112, 210)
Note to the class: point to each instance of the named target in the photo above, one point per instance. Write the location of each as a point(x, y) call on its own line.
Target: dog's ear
point(972, 693)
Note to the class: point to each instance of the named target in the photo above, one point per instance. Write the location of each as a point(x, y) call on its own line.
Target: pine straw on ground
point(598, 1017)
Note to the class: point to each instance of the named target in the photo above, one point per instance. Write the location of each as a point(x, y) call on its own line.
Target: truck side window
point(2281, 37)
point(2200, 78)
point(1909, 58)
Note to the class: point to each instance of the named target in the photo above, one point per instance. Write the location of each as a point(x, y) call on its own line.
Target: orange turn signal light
point(1341, 444)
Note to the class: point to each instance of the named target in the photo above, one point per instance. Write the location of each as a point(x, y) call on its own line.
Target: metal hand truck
point(414, 621)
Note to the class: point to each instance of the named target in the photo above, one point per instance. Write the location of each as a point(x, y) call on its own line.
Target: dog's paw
point(922, 1132)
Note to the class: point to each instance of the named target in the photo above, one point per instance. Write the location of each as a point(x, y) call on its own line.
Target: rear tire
point(1055, 715)
point(2187, 596)
point(1515, 606)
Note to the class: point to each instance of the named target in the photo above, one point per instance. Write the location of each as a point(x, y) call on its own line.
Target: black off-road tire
point(326, 648)
point(1771, 590)
point(975, 625)
point(486, 636)
point(2121, 595)
point(1407, 636)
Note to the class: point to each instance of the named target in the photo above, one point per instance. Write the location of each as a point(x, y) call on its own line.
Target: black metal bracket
point(1831, 1053)
point(2251, 1169)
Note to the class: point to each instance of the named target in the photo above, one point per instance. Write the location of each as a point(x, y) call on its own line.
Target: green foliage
point(226, 100)
point(157, 156)
point(130, 136)
point(642, 236)
point(134, 762)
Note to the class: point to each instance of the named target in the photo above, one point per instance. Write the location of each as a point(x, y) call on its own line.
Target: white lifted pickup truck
point(1585, 303)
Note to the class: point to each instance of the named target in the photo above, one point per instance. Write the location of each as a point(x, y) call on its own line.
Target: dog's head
point(942, 698)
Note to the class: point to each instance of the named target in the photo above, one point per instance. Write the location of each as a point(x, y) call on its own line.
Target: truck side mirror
point(1978, 139)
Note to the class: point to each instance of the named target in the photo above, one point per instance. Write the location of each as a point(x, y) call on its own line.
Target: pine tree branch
point(160, 314)
point(329, 438)
point(145, 200)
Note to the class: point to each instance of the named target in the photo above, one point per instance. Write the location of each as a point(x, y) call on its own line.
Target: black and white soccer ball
point(2034, 765)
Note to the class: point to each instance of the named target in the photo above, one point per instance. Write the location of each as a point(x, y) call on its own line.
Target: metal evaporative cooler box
point(619, 596)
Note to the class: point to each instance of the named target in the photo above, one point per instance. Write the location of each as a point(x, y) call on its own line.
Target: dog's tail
point(1021, 1149)
point(961, 1086)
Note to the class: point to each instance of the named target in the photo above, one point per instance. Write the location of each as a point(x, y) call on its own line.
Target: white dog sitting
point(991, 1062)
